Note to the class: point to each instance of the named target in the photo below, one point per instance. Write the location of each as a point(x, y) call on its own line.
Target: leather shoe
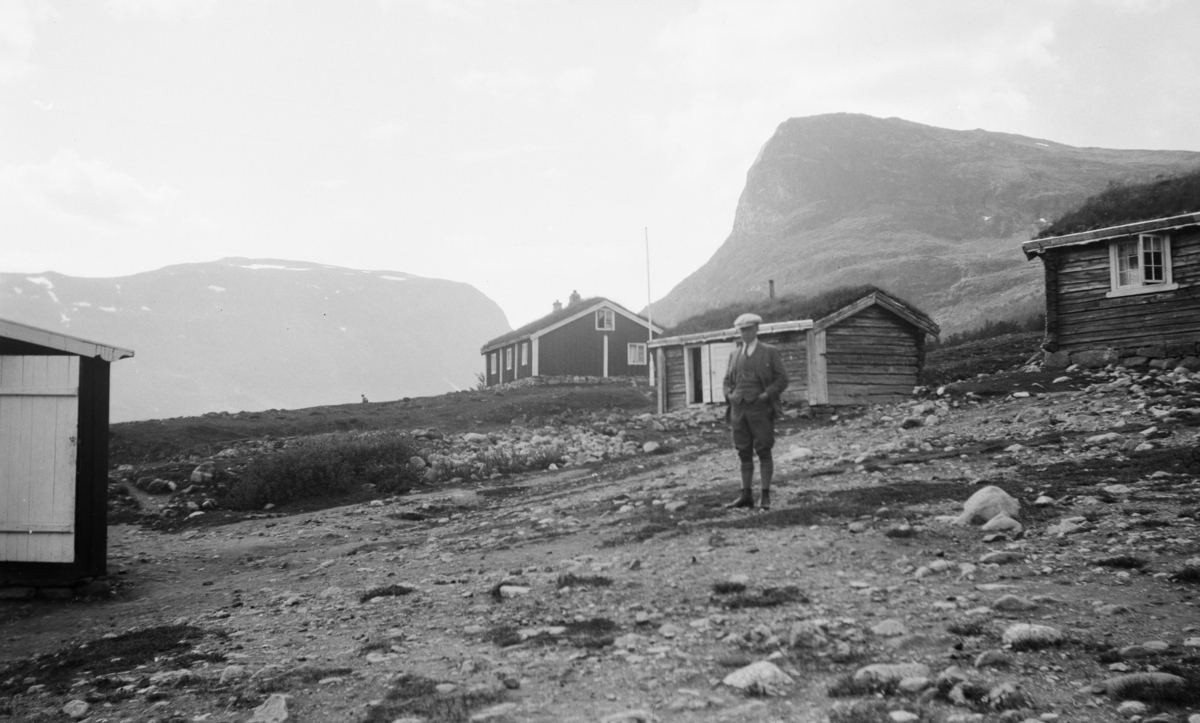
point(744, 501)
point(765, 502)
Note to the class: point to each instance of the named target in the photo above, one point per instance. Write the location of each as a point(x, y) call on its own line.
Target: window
point(605, 320)
point(508, 358)
point(1141, 266)
point(637, 354)
point(494, 357)
point(524, 353)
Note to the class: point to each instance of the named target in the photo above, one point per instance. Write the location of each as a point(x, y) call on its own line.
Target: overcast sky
point(522, 146)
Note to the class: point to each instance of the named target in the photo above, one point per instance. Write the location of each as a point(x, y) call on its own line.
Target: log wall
point(871, 358)
point(1084, 319)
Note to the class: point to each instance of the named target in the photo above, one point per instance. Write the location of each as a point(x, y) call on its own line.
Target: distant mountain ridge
point(252, 334)
point(934, 215)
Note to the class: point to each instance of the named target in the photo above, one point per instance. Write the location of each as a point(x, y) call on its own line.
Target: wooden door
point(39, 420)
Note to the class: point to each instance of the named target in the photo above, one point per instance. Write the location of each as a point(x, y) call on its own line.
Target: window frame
point(1139, 286)
point(494, 358)
point(524, 353)
point(606, 320)
point(508, 359)
point(635, 349)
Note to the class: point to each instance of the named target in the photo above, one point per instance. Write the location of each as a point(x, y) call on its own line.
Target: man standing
point(754, 379)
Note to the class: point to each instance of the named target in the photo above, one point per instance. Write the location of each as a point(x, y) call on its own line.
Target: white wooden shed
point(54, 394)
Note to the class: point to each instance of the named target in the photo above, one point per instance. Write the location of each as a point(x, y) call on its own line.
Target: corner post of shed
point(1050, 260)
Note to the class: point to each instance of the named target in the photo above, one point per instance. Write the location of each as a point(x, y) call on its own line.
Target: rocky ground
point(620, 588)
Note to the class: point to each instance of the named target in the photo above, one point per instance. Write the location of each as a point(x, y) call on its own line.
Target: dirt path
point(588, 594)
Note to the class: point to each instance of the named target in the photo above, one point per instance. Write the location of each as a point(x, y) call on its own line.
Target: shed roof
point(53, 340)
point(1039, 245)
point(916, 318)
point(566, 315)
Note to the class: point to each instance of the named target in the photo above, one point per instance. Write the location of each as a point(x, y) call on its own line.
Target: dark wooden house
point(590, 337)
point(867, 352)
point(54, 392)
point(1127, 294)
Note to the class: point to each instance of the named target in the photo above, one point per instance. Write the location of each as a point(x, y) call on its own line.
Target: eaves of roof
point(1037, 246)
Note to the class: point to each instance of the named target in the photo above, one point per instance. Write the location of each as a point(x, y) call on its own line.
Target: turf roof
point(1129, 203)
point(784, 308)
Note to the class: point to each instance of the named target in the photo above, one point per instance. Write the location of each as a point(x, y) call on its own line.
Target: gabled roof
point(1037, 246)
point(565, 316)
point(912, 316)
point(62, 342)
point(878, 298)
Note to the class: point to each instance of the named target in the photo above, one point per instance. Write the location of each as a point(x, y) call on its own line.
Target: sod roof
point(1129, 203)
point(784, 308)
point(553, 318)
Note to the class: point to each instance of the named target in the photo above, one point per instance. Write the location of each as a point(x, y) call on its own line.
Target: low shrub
point(327, 465)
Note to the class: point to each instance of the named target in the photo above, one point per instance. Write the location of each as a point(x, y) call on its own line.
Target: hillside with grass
point(936, 216)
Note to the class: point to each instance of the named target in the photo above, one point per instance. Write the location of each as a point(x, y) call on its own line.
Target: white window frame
point(606, 320)
point(524, 353)
point(636, 354)
point(508, 355)
point(1138, 284)
point(494, 357)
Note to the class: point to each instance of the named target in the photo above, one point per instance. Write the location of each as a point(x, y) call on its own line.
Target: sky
point(525, 147)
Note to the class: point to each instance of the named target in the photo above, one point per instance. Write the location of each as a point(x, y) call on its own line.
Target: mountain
point(252, 334)
point(936, 216)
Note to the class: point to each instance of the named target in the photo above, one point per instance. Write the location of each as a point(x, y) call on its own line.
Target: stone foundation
point(551, 381)
point(62, 590)
point(1163, 356)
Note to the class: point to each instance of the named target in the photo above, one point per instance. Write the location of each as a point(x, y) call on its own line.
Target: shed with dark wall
point(54, 395)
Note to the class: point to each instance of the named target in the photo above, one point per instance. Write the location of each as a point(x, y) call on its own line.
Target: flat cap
point(747, 320)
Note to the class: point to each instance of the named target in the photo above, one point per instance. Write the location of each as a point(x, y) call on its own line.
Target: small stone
point(651, 447)
point(232, 673)
point(76, 709)
point(1003, 557)
point(903, 716)
point(1044, 501)
point(915, 684)
point(1131, 708)
point(890, 628)
point(273, 710)
point(1002, 523)
point(986, 503)
point(1133, 652)
point(511, 591)
point(639, 715)
point(1110, 610)
point(992, 659)
point(1028, 636)
point(1013, 604)
point(500, 710)
point(884, 672)
point(858, 527)
point(761, 678)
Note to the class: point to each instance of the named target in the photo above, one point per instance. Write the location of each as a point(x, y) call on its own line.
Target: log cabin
point(54, 392)
point(1126, 294)
point(869, 351)
point(592, 337)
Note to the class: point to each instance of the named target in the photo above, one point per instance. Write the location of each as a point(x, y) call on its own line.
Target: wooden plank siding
point(1085, 319)
point(871, 358)
point(577, 348)
point(674, 378)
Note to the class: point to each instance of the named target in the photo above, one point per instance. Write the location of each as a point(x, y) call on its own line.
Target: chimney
point(557, 306)
point(573, 300)
point(771, 288)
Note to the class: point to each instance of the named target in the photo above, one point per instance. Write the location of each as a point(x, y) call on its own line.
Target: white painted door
point(39, 415)
point(718, 355)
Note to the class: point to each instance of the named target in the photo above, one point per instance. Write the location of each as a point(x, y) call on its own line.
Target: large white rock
point(761, 678)
point(986, 503)
point(1001, 523)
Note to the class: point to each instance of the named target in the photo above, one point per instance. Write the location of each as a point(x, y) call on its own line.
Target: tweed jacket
point(766, 363)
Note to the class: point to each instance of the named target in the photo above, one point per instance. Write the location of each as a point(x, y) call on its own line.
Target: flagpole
point(649, 309)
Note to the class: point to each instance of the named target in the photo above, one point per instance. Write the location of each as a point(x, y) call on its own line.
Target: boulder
point(1149, 686)
point(1002, 523)
point(273, 710)
point(1056, 360)
point(203, 474)
point(986, 503)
